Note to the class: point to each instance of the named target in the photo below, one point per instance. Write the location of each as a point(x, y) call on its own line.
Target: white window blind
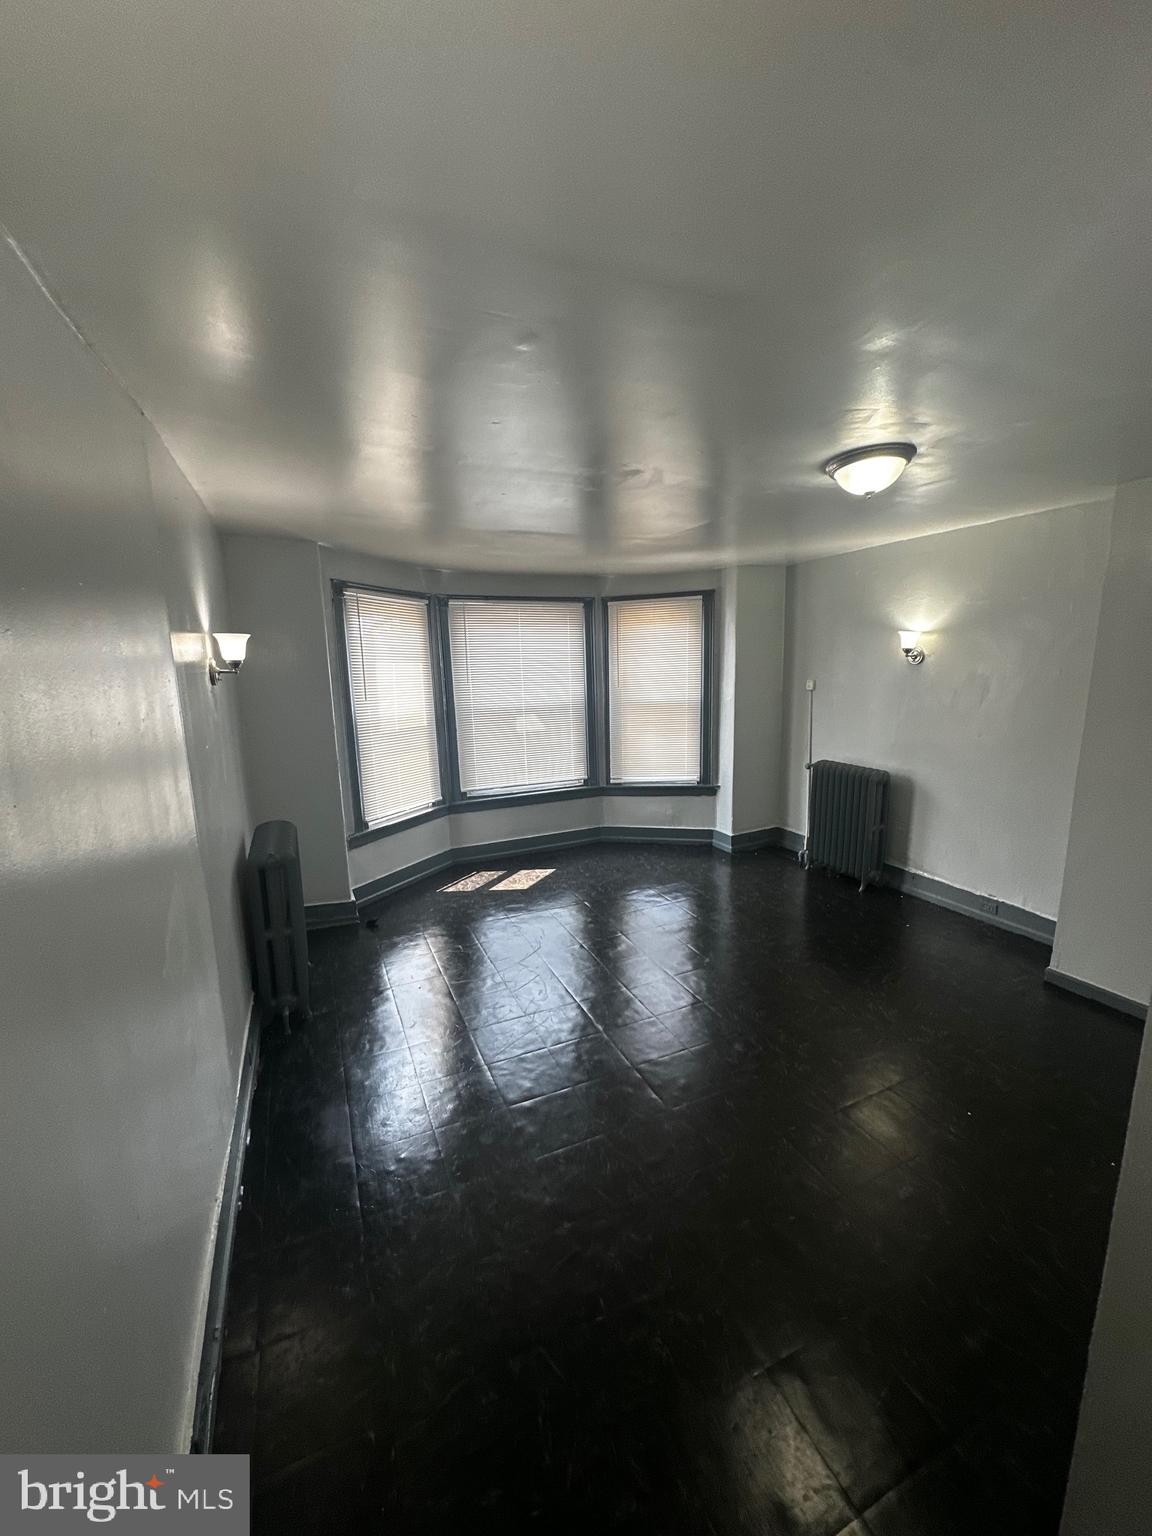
point(390, 682)
point(655, 689)
point(519, 692)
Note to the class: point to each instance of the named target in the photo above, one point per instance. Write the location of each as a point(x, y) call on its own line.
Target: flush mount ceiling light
point(864, 471)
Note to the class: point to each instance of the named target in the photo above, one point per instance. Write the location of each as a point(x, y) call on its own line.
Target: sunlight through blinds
point(655, 689)
point(390, 678)
point(519, 691)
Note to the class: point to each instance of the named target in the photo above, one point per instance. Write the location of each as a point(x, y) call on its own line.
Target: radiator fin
point(847, 819)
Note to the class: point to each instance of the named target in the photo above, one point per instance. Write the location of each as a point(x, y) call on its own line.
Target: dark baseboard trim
point(1089, 989)
point(749, 842)
point(329, 914)
point(510, 847)
point(700, 836)
point(986, 909)
point(507, 802)
point(1001, 914)
point(397, 879)
point(204, 1414)
point(514, 847)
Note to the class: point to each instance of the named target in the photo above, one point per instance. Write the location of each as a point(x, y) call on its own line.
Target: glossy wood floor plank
point(672, 1194)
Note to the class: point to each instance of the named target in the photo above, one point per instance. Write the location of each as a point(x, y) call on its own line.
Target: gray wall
point(1110, 1483)
point(124, 987)
point(1104, 935)
point(276, 593)
point(983, 738)
point(752, 633)
point(193, 571)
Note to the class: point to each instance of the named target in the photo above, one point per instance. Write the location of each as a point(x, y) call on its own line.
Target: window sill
point(528, 797)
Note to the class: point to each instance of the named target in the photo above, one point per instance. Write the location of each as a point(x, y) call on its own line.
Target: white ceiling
point(598, 284)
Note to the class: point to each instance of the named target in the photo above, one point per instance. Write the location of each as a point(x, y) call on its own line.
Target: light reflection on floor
point(474, 882)
point(519, 880)
point(523, 879)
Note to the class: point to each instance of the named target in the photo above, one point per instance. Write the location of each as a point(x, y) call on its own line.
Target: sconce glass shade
point(232, 648)
point(864, 471)
point(910, 645)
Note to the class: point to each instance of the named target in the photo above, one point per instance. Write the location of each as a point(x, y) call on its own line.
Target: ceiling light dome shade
point(864, 471)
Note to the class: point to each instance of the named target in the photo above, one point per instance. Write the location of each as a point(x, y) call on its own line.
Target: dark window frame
point(598, 782)
point(515, 796)
point(363, 828)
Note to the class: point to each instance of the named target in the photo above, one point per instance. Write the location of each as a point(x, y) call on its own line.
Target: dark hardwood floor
point(672, 1194)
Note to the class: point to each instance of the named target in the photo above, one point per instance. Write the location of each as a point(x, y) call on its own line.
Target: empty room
point(574, 766)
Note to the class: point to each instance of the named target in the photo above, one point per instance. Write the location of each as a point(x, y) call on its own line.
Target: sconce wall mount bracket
point(217, 670)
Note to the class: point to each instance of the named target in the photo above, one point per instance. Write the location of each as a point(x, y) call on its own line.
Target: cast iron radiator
point(847, 819)
point(274, 898)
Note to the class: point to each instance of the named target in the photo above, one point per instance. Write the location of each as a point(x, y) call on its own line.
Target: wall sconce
point(231, 649)
point(910, 645)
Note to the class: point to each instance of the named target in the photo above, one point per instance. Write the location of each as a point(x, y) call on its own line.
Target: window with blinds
point(655, 689)
point(518, 687)
point(393, 709)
